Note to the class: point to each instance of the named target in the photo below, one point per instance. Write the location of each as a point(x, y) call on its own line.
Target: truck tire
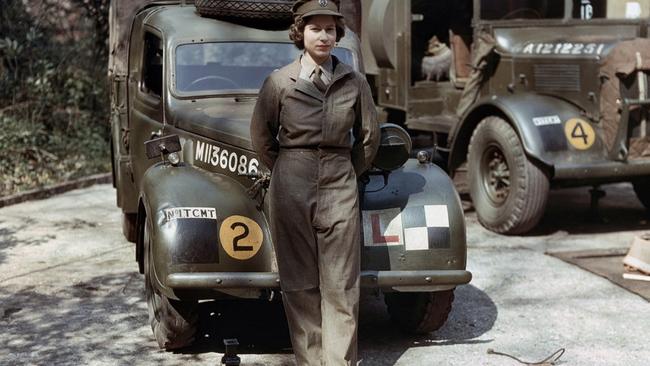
point(642, 190)
point(419, 312)
point(174, 323)
point(262, 13)
point(130, 226)
point(508, 190)
point(113, 174)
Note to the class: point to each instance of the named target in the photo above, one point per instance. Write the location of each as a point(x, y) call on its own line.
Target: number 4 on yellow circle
point(579, 133)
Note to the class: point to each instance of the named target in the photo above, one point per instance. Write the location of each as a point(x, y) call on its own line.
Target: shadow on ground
point(570, 210)
point(84, 322)
point(382, 344)
point(104, 320)
point(258, 325)
point(10, 233)
point(9, 236)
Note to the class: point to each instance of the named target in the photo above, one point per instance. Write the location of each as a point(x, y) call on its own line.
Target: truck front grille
point(557, 77)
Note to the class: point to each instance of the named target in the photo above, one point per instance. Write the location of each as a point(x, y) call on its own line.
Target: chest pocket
point(301, 118)
point(341, 103)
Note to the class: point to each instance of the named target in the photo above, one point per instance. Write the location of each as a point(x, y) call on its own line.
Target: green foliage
point(53, 92)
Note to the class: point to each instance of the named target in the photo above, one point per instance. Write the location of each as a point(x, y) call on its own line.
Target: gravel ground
point(70, 294)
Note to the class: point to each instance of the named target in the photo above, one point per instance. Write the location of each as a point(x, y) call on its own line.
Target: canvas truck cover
point(625, 59)
point(483, 48)
point(121, 14)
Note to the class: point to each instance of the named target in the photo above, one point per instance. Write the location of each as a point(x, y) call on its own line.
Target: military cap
point(307, 8)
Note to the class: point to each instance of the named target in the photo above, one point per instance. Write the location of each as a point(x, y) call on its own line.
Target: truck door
point(146, 90)
point(387, 33)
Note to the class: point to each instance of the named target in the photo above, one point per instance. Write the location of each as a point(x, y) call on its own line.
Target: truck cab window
point(152, 73)
point(223, 67)
point(521, 9)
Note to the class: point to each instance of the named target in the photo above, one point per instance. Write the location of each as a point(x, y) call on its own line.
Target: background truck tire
point(255, 13)
point(419, 312)
point(642, 190)
point(174, 323)
point(508, 190)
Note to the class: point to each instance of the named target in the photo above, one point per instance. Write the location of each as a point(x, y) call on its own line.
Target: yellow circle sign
point(579, 133)
point(240, 237)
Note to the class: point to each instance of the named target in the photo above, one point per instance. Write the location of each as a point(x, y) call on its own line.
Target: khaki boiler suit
point(316, 145)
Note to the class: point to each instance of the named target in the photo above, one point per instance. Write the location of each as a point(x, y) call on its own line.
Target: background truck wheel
point(130, 226)
point(173, 322)
point(419, 312)
point(642, 190)
point(508, 190)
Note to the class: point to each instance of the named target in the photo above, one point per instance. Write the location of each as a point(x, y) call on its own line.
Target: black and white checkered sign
point(417, 228)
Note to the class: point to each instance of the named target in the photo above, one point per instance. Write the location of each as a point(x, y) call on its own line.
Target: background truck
point(519, 96)
point(191, 189)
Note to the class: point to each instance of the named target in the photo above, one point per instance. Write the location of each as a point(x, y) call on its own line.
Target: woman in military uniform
point(315, 127)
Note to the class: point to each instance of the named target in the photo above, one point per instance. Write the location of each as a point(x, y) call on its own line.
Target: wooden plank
point(607, 263)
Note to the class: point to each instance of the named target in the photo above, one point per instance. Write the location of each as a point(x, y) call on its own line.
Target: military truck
point(191, 189)
point(518, 96)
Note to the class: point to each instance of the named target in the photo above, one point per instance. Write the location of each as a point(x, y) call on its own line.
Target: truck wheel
point(173, 322)
point(419, 312)
point(130, 226)
point(642, 190)
point(508, 190)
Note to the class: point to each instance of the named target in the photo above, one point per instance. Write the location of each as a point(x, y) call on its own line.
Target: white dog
point(436, 63)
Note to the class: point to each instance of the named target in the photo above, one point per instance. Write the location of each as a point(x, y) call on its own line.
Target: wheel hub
point(496, 175)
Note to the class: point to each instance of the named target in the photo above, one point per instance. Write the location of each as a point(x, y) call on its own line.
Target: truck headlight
point(173, 158)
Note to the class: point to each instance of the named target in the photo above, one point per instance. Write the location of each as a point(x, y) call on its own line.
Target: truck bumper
point(603, 171)
point(399, 280)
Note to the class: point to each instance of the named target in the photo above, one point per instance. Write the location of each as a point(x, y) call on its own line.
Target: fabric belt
point(326, 149)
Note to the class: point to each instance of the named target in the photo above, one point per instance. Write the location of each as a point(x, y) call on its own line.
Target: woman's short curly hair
point(297, 31)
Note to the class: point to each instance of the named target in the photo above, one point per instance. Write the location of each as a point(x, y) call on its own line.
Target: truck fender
point(538, 120)
point(419, 196)
point(200, 221)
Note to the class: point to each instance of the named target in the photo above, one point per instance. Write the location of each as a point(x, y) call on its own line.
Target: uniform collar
point(340, 69)
point(308, 66)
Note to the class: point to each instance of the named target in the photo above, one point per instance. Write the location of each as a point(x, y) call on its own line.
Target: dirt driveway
point(70, 294)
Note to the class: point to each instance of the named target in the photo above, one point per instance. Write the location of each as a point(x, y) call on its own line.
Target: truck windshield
point(234, 66)
point(521, 9)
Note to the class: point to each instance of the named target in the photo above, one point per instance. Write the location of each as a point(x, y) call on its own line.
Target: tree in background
point(97, 12)
point(53, 98)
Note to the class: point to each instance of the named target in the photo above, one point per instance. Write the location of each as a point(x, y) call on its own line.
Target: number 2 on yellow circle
point(240, 237)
